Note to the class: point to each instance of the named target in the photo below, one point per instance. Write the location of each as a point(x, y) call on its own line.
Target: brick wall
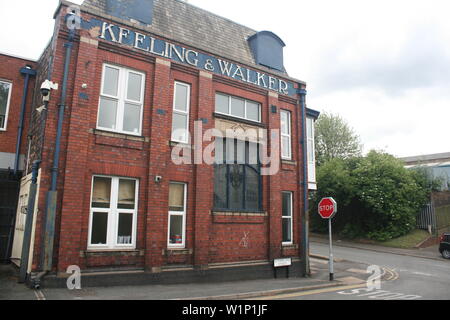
point(211, 237)
point(10, 72)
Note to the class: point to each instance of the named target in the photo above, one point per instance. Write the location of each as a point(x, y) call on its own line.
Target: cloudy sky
point(384, 66)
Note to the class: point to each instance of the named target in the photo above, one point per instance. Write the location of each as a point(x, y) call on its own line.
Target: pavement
point(347, 273)
point(426, 253)
point(350, 273)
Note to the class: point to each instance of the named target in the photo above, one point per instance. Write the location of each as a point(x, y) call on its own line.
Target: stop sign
point(327, 208)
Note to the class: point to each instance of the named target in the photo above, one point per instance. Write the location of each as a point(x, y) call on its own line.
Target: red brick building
point(144, 93)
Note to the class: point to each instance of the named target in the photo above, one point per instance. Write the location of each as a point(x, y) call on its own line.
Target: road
point(418, 278)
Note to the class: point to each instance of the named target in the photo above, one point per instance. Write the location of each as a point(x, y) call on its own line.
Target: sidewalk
point(426, 253)
point(346, 273)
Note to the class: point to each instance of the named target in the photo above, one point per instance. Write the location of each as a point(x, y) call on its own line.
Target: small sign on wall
point(278, 263)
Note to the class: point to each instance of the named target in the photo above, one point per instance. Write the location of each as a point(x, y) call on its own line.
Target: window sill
point(289, 162)
point(180, 144)
point(120, 135)
point(177, 252)
point(119, 140)
point(111, 252)
point(229, 217)
point(290, 246)
point(237, 213)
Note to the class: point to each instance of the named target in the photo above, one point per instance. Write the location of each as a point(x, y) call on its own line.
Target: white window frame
point(245, 107)
point(291, 217)
point(311, 156)
point(181, 112)
point(286, 135)
point(113, 217)
point(121, 98)
point(178, 213)
point(8, 102)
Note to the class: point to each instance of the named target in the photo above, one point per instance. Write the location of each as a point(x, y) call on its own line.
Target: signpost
point(327, 210)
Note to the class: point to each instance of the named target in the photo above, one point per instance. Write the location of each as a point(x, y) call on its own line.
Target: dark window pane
point(127, 194)
point(176, 197)
point(236, 185)
point(4, 94)
point(176, 229)
point(220, 186)
point(101, 193)
point(99, 227)
point(287, 206)
point(252, 190)
point(124, 235)
point(287, 233)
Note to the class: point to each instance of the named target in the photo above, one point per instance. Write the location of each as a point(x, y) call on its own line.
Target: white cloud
point(382, 65)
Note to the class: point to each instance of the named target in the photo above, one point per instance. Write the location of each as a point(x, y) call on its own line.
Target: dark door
point(9, 193)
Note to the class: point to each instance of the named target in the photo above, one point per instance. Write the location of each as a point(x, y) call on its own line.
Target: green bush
point(377, 197)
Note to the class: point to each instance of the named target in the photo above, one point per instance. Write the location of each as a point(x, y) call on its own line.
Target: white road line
point(39, 295)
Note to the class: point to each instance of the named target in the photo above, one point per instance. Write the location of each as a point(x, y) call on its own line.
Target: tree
point(335, 139)
point(377, 197)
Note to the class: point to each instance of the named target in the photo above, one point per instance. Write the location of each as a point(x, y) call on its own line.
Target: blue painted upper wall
point(140, 10)
point(267, 50)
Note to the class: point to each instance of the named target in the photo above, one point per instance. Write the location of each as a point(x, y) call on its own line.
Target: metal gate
point(9, 192)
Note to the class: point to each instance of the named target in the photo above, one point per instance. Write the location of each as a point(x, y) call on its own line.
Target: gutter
point(28, 72)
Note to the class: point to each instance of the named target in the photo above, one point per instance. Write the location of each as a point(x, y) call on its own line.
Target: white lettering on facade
point(120, 35)
point(193, 62)
point(123, 33)
point(108, 27)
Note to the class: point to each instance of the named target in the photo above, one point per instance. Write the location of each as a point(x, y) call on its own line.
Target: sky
point(383, 66)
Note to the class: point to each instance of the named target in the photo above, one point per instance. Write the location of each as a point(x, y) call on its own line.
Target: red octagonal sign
point(327, 208)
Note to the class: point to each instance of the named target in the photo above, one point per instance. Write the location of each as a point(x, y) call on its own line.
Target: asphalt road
point(418, 278)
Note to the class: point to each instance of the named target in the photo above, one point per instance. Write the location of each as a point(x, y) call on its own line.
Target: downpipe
point(24, 259)
point(305, 221)
point(28, 72)
point(52, 194)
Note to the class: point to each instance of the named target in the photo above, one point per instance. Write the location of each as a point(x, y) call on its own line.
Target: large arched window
point(237, 176)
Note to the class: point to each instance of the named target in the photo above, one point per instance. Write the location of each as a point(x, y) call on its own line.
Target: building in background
point(143, 90)
point(17, 78)
point(438, 166)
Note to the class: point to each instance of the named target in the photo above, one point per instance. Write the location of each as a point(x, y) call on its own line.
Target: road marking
point(379, 294)
point(311, 292)
point(318, 261)
point(39, 295)
point(352, 270)
point(423, 274)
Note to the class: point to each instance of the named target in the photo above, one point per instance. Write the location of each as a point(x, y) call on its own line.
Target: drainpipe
point(28, 72)
point(29, 223)
point(49, 235)
point(304, 254)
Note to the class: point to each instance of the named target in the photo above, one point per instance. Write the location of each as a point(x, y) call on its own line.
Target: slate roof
point(196, 27)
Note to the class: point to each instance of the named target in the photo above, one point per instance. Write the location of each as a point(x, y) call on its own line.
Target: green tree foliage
point(335, 139)
point(377, 197)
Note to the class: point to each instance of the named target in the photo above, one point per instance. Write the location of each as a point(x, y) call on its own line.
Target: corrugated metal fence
point(426, 219)
point(435, 216)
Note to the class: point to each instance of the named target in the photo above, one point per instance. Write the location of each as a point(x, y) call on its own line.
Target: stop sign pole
point(327, 210)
